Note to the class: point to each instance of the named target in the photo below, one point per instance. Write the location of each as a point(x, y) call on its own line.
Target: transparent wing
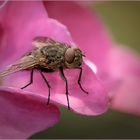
point(22, 64)
point(41, 41)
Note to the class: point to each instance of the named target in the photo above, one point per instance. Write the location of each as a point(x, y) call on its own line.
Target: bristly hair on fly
point(48, 56)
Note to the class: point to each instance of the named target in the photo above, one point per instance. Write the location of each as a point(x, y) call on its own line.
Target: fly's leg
point(31, 79)
point(64, 78)
point(79, 81)
point(49, 87)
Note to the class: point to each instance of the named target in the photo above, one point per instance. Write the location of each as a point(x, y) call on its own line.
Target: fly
point(49, 56)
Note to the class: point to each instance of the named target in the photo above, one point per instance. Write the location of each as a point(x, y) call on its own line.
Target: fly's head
point(73, 58)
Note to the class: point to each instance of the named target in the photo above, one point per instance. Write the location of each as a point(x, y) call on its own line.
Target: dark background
point(123, 21)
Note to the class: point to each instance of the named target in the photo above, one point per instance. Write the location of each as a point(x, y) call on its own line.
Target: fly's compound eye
point(69, 55)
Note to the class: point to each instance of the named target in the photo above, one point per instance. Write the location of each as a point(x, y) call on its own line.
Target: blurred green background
point(123, 21)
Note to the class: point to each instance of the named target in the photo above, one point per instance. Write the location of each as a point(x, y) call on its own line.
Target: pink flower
point(24, 112)
point(118, 67)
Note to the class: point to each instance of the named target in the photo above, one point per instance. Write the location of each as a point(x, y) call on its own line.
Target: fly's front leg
point(47, 83)
point(79, 81)
point(31, 79)
point(64, 78)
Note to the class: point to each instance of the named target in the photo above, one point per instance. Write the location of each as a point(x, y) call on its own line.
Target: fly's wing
point(27, 61)
point(42, 41)
point(22, 64)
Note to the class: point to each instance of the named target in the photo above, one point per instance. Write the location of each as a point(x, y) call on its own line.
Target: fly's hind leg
point(79, 81)
point(64, 78)
point(31, 79)
point(47, 83)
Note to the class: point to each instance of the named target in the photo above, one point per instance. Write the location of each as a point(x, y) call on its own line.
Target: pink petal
point(119, 69)
point(27, 20)
point(130, 66)
point(21, 42)
point(86, 28)
point(125, 64)
point(22, 116)
point(95, 103)
point(3, 3)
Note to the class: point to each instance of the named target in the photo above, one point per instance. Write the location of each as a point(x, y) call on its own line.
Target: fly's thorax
point(54, 55)
point(73, 58)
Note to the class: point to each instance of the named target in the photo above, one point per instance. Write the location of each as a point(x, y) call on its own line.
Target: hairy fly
point(49, 55)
